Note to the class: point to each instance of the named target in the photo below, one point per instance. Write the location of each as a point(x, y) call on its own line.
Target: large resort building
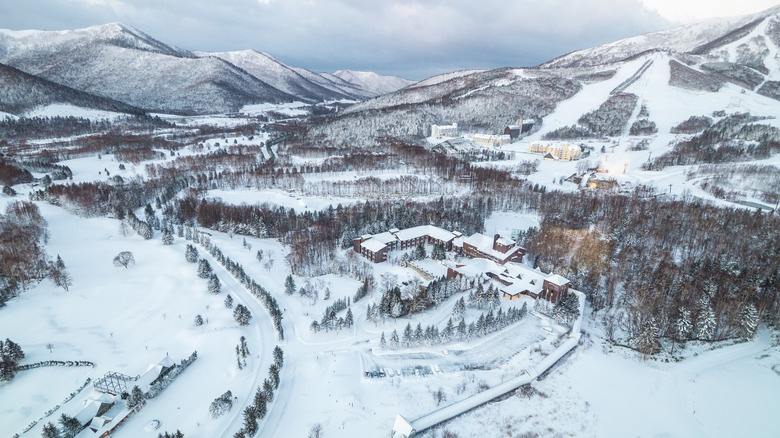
point(514, 280)
point(498, 249)
point(444, 131)
point(558, 151)
point(497, 258)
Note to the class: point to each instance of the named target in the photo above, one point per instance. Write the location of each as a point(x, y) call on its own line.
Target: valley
point(311, 244)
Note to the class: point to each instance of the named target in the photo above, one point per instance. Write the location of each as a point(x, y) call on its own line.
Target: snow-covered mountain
point(307, 85)
point(704, 37)
point(121, 63)
point(730, 65)
point(23, 92)
point(285, 78)
point(372, 82)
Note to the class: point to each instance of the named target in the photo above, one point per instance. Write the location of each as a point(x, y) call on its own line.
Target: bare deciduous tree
point(124, 259)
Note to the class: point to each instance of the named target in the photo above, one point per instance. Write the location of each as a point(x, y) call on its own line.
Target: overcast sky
point(409, 38)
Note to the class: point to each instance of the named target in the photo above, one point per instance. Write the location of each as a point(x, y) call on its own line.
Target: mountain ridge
point(119, 62)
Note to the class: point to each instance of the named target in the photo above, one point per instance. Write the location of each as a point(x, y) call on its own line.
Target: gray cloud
point(410, 38)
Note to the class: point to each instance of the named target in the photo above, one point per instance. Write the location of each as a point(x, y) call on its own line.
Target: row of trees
point(23, 258)
point(69, 427)
point(241, 313)
point(462, 332)
point(263, 396)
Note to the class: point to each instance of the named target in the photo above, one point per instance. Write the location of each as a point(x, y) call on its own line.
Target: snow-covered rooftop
point(385, 237)
point(432, 267)
point(425, 230)
point(373, 245)
point(484, 244)
point(557, 280)
point(475, 267)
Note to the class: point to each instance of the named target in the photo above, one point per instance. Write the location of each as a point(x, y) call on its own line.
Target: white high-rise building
point(441, 131)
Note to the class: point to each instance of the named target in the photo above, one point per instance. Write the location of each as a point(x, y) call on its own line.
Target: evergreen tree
point(136, 397)
point(261, 403)
point(243, 347)
point(278, 356)
point(70, 426)
point(289, 285)
point(477, 299)
point(397, 310)
point(314, 327)
point(326, 294)
point(198, 320)
point(242, 315)
point(406, 338)
point(683, 326)
point(523, 311)
point(748, 321)
point(204, 269)
point(567, 309)
point(706, 324)
point(50, 431)
point(647, 340)
point(480, 327)
point(191, 253)
point(11, 351)
point(419, 252)
point(471, 332)
point(449, 331)
point(393, 340)
point(382, 341)
point(461, 333)
point(459, 309)
point(250, 420)
point(438, 252)
point(268, 388)
point(273, 375)
point(214, 286)
point(167, 237)
point(349, 319)
point(490, 322)
point(229, 302)
point(418, 335)
point(221, 405)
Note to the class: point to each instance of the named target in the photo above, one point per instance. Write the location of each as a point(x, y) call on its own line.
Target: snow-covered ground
point(605, 391)
point(279, 198)
point(290, 109)
point(67, 110)
point(123, 320)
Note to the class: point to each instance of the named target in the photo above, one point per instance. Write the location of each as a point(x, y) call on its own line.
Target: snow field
point(280, 198)
point(67, 110)
point(123, 320)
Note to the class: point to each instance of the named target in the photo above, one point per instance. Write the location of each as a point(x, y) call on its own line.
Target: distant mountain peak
point(375, 82)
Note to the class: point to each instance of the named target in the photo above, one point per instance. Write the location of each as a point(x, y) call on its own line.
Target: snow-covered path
point(525, 376)
point(261, 340)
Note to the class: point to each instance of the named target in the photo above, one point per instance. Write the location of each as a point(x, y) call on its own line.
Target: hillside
point(700, 38)
point(121, 63)
point(282, 77)
point(727, 65)
point(23, 92)
point(373, 83)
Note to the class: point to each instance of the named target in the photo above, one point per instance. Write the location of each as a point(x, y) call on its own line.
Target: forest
point(647, 263)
